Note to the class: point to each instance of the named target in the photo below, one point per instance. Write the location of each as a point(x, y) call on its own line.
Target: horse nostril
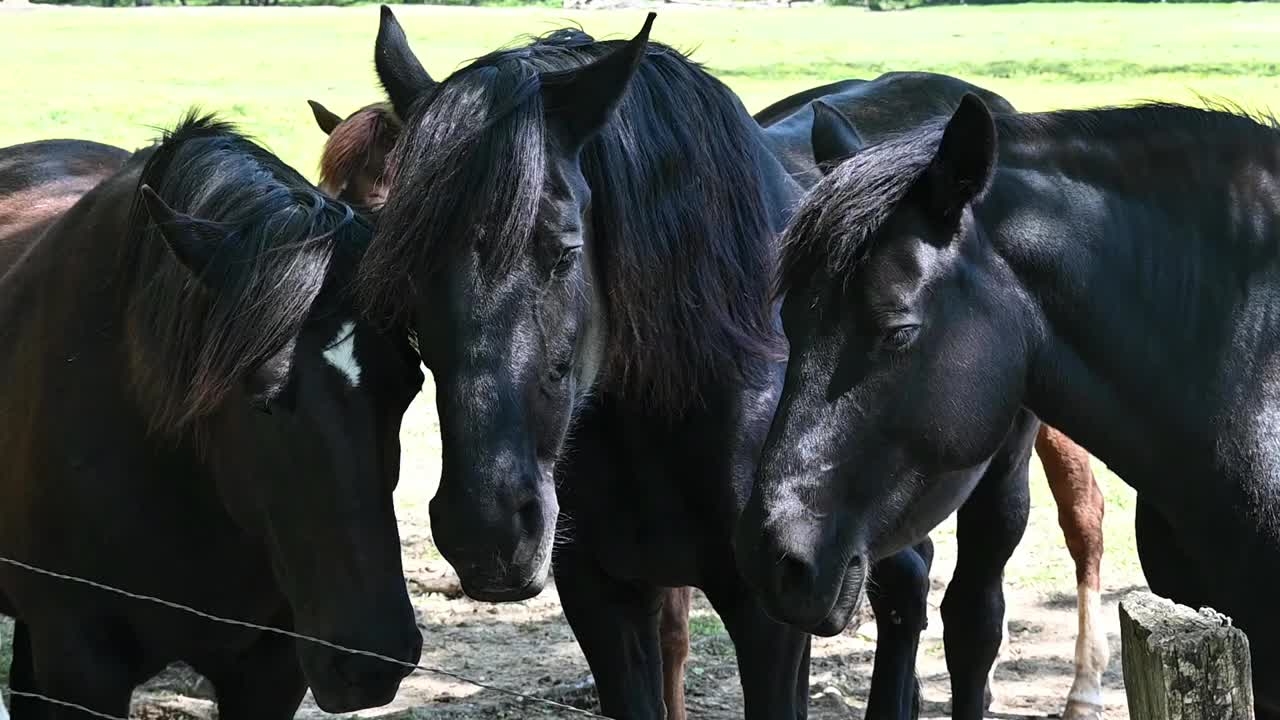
point(795, 576)
point(528, 503)
point(529, 512)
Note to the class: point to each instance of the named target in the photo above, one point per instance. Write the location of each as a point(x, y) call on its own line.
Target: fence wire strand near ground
point(418, 667)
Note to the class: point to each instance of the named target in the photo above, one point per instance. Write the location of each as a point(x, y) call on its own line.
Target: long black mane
point(284, 243)
point(682, 225)
point(835, 226)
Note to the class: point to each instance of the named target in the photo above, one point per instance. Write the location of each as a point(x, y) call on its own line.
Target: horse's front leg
point(899, 595)
point(73, 663)
point(989, 527)
point(773, 659)
point(616, 625)
point(1080, 509)
point(265, 681)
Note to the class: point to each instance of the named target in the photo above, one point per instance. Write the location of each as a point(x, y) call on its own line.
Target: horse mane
point(284, 243)
point(682, 234)
point(834, 227)
point(349, 145)
point(1141, 120)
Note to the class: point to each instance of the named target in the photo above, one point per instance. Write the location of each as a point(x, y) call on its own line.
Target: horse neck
point(61, 318)
point(1134, 279)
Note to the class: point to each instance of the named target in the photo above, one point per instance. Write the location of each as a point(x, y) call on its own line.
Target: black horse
point(573, 275)
point(1113, 270)
point(817, 135)
point(195, 410)
point(585, 234)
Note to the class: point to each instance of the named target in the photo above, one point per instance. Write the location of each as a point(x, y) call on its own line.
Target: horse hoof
point(1082, 711)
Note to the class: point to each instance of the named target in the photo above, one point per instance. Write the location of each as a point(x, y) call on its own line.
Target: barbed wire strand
point(63, 703)
point(419, 667)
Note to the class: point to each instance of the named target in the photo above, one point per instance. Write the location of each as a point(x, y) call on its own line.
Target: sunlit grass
point(111, 74)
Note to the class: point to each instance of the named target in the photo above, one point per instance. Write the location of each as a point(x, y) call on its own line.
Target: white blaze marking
point(1092, 655)
point(342, 354)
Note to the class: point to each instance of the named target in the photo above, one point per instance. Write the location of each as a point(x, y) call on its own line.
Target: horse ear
point(399, 71)
point(965, 160)
point(578, 101)
point(324, 118)
point(194, 243)
point(833, 137)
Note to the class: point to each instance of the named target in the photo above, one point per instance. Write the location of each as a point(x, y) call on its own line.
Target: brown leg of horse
point(1080, 507)
point(674, 630)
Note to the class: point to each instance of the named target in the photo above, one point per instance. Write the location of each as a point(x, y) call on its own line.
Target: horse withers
point(39, 180)
point(196, 411)
point(1111, 270)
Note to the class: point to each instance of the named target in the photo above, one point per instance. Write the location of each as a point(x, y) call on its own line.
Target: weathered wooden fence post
point(1180, 664)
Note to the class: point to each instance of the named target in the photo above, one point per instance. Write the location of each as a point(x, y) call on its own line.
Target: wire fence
point(415, 667)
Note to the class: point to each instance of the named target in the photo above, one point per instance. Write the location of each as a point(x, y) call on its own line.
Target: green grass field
point(112, 75)
point(108, 74)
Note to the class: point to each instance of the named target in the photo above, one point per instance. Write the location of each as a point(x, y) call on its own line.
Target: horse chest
point(659, 532)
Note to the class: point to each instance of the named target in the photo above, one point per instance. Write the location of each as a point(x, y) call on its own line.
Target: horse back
point(878, 109)
point(40, 180)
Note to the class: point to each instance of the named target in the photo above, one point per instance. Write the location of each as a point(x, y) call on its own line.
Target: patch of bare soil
point(528, 647)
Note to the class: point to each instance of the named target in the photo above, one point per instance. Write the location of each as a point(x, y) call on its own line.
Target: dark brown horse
point(39, 181)
point(218, 404)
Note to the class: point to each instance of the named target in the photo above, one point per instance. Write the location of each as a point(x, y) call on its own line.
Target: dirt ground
point(527, 647)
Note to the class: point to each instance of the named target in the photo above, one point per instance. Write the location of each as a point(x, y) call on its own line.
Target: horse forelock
point(350, 145)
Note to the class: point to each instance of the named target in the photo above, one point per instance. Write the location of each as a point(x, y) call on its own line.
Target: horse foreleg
point(674, 631)
point(264, 682)
point(773, 659)
point(1080, 509)
point(72, 664)
point(989, 527)
point(899, 595)
point(616, 625)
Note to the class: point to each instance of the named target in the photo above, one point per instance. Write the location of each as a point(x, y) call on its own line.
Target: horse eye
point(559, 370)
point(898, 338)
point(568, 257)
